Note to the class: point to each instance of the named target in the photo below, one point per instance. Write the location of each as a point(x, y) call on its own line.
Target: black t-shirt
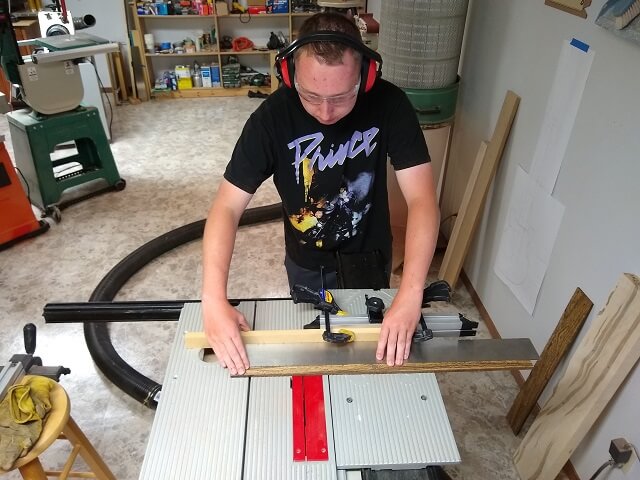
point(332, 178)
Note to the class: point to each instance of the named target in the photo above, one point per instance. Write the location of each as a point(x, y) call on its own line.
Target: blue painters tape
point(579, 45)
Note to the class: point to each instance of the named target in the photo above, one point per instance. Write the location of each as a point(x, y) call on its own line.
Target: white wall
point(516, 45)
point(374, 6)
point(110, 24)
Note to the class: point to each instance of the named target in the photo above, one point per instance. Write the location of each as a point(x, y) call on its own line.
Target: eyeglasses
point(340, 99)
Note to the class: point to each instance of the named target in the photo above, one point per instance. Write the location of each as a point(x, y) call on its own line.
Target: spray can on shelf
point(197, 80)
point(196, 75)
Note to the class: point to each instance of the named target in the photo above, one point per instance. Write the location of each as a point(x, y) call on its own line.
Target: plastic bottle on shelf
point(174, 81)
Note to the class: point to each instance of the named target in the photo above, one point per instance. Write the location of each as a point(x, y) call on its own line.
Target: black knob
point(375, 307)
point(374, 304)
point(29, 332)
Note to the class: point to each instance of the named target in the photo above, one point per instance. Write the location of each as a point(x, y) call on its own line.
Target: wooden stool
point(60, 425)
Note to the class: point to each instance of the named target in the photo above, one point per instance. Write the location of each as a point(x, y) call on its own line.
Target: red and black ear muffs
point(371, 60)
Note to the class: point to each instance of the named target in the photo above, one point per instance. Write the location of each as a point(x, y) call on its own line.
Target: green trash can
point(434, 105)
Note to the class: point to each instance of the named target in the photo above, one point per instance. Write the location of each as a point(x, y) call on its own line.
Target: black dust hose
point(97, 335)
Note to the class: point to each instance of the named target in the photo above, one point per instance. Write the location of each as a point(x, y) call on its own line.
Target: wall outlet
point(626, 468)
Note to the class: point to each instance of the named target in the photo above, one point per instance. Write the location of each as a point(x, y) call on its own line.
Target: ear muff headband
point(371, 60)
point(284, 73)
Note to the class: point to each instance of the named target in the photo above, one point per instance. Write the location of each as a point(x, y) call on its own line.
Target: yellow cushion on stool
point(29, 399)
point(60, 424)
point(53, 424)
point(22, 412)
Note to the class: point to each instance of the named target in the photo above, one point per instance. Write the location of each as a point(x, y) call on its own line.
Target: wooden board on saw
point(362, 334)
point(554, 351)
point(313, 356)
point(594, 373)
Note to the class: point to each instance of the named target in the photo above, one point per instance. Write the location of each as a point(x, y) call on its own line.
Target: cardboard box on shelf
point(205, 71)
point(231, 75)
point(215, 75)
point(277, 6)
point(222, 8)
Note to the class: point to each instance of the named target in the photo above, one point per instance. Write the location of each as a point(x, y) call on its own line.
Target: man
point(325, 142)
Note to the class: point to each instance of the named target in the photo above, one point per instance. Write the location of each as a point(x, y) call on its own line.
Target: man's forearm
point(218, 242)
point(219, 239)
point(423, 220)
point(420, 242)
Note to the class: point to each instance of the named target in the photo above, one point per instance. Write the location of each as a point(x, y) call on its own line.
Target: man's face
point(327, 92)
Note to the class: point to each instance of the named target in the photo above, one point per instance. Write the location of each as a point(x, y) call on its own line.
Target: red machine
point(17, 221)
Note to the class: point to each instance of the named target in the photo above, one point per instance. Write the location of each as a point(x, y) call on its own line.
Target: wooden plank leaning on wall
point(475, 194)
point(554, 351)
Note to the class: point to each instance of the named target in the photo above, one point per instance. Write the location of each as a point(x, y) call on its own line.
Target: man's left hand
point(396, 333)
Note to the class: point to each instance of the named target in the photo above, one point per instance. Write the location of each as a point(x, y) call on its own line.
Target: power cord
point(93, 62)
point(26, 184)
point(607, 464)
point(447, 218)
point(633, 447)
point(620, 451)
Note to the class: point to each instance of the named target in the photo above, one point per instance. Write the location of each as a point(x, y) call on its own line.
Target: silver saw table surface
point(211, 426)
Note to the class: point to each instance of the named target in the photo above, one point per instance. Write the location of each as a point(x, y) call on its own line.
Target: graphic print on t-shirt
point(331, 212)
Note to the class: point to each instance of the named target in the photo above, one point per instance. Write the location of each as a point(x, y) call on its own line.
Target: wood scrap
point(556, 348)
point(600, 364)
point(122, 86)
point(574, 7)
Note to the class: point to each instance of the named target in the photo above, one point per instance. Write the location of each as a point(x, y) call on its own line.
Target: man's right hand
point(222, 325)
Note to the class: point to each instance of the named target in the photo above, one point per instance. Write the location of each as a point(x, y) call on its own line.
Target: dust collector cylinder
point(420, 41)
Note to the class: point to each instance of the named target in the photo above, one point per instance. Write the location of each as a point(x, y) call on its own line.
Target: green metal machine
point(49, 82)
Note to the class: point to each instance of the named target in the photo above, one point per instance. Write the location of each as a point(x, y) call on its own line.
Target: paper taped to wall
point(527, 241)
point(560, 115)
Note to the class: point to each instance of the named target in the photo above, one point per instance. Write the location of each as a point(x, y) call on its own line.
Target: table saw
point(210, 425)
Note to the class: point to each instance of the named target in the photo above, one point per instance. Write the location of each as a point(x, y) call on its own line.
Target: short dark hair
point(329, 52)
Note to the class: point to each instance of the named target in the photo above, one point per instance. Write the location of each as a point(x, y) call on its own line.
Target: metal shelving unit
point(254, 27)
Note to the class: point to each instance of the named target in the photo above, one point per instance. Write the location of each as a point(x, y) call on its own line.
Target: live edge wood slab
point(606, 354)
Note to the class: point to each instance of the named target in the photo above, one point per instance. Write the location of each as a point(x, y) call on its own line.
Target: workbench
point(210, 425)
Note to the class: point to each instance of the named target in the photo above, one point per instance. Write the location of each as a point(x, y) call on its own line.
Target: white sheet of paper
point(560, 114)
point(532, 225)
